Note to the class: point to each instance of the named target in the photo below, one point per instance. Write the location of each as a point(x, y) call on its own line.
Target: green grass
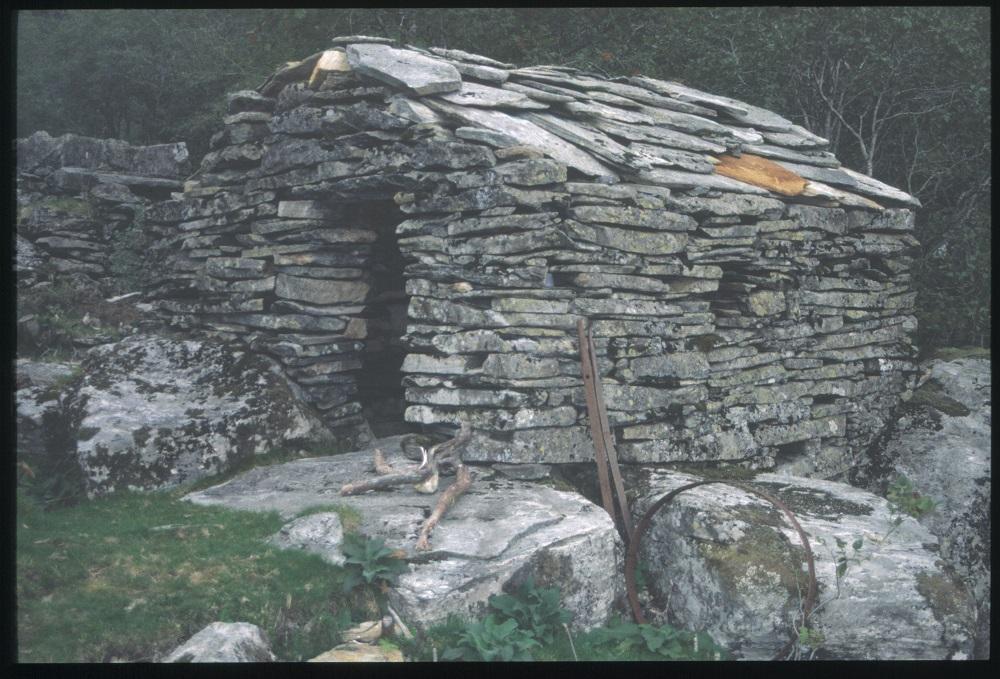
point(132, 575)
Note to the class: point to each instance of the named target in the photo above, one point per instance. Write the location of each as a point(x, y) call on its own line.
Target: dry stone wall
point(74, 194)
point(749, 298)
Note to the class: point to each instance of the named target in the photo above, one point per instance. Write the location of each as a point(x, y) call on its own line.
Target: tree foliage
point(901, 92)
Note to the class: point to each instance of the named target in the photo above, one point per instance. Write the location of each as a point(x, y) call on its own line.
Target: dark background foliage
point(903, 93)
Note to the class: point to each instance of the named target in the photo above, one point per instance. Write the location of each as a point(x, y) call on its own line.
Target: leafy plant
point(666, 641)
point(810, 638)
point(536, 610)
point(905, 499)
point(843, 561)
point(492, 639)
point(369, 561)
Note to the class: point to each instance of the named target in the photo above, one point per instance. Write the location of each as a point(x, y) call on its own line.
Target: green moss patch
point(943, 596)
point(762, 557)
point(814, 502)
point(932, 394)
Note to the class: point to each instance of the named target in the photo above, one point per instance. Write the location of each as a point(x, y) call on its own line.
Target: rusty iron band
point(632, 556)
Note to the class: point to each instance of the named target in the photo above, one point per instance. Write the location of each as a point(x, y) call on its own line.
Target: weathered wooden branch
point(387, 481)
point(446, 449)
point(425, 477)
point(381, 466)
point(463, 479)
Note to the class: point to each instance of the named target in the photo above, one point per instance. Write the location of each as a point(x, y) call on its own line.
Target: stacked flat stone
point(734, 318)
point(74, 193)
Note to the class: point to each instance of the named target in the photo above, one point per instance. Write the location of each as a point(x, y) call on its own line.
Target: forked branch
point(463, 479)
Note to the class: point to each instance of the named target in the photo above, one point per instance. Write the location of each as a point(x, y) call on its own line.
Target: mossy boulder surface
point(730, 563)
point(941, 443)
point(152, 412)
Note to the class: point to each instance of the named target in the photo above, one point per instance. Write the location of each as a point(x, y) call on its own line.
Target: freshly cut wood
point(761, 172)
point(290, 72)
point(331, 61)
point(463, 480)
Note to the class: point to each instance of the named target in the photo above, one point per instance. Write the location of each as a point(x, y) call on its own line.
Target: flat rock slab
point(496, 535)
point(404, 68)
point(734, 567)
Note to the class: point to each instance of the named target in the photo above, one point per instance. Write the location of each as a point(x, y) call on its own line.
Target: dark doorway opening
point(380, 389)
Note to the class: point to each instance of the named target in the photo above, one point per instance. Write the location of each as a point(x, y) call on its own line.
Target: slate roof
point(638, 129)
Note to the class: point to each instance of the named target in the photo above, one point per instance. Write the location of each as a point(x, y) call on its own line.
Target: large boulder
point(494, 537)
point(729, 563)
point(941, 444)
point(153, 412)
point(39, 385)
point(224, 642)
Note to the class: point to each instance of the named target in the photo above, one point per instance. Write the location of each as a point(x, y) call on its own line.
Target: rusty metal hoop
point(632, 556)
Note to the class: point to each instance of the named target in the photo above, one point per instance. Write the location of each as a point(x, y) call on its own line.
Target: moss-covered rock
point(152, 412)
point(731, 563)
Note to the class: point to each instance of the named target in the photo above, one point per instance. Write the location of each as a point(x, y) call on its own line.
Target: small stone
point(320, 534)
point(224, 642)
point(319, 291)
point(686, 365)
point(515, 366)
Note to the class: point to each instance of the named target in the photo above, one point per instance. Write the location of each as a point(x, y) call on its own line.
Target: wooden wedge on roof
point(331, 61)
point(761, 172)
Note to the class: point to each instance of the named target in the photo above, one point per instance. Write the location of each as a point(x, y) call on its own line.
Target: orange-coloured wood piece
point(761, 172)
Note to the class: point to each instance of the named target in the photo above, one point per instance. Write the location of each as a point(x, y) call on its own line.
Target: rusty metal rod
point(611, 452)
point(600, 453)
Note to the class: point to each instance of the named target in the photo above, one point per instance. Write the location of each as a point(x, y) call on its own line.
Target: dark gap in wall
point(789, 452)
point(380, 389)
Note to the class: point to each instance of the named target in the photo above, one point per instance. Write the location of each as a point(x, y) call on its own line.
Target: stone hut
point(414, 234)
